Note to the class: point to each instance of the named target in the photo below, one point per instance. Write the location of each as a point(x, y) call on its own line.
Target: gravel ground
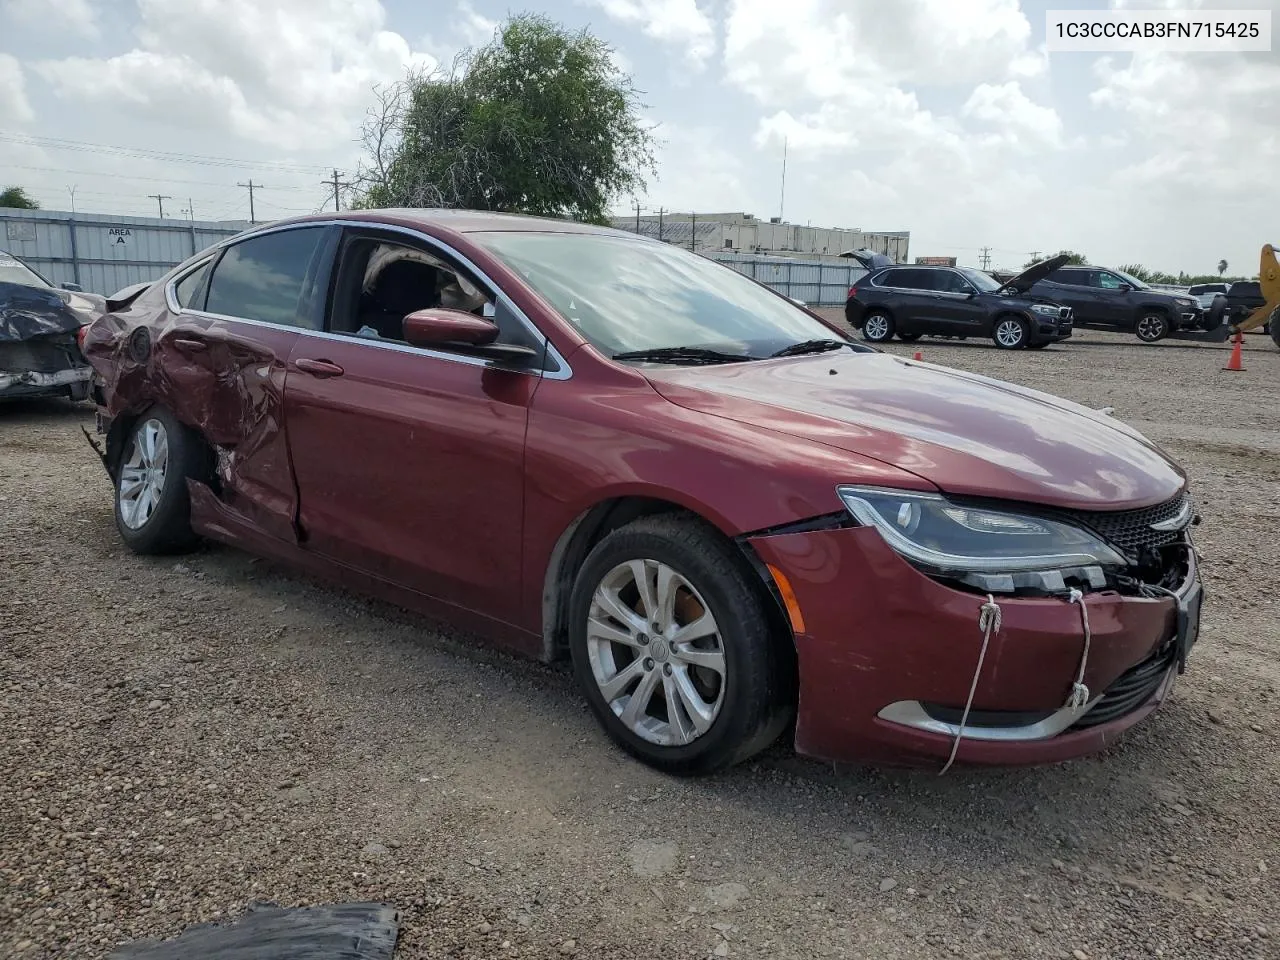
point(182, 739)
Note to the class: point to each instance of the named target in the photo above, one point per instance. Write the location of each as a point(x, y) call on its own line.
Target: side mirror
point(1125, 288)
point(456, 330)
point(443, 327)
point(73, 287)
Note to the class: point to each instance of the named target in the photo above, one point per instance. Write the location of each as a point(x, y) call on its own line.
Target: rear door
point(911, 297)
point(237, 318)
point(1074, 287)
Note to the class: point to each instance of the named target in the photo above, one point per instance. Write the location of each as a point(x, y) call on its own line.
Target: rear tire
point(152, 506)
point(877, 326)
point(1152, 326)
point(709, 701)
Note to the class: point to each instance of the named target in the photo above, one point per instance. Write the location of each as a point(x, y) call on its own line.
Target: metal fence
point(106, 254)
point(819, 283)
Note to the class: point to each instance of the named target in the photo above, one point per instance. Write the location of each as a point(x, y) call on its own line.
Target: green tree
point(18, 198)
point(539, 121)
point(1148, 276)
point(1073, 258)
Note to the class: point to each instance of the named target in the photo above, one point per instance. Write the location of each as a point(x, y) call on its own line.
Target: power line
point(160, 198)
point(129, 176)
point(56, 143)
point(985, 257)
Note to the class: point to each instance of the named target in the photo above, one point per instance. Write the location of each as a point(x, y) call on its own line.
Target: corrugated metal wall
point(104, 254)
point(816, 282)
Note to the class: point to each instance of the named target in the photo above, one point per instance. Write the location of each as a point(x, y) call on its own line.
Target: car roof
point(462, 221)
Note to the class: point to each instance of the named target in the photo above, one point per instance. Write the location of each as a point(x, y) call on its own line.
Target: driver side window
point(1109, 281)
point(382, 281)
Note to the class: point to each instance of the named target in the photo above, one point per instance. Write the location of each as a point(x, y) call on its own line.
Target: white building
point(744, 233)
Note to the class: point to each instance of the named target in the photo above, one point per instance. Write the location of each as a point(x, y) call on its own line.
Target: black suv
point(956, 302)
point(1101, 297)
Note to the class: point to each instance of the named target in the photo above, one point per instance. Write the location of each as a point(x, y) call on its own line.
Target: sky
point(946, 118)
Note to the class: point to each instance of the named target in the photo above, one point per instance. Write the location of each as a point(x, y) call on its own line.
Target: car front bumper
point(886, 657)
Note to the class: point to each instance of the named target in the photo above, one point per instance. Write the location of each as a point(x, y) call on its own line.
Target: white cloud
point(14, 107)
point(679, 22)
point(78, 17)
point(474, 27)
point(281, 73)
point(1007, 108)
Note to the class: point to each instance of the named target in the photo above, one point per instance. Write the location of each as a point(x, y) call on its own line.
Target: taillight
point(80, 335)
point(853, 292)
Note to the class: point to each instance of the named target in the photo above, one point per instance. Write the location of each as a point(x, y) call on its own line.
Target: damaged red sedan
point(734, 520)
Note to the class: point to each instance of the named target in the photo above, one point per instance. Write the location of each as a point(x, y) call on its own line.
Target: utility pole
point(72, 190)
point(986, 257)
point(782, 200)
point(660, 213)
point(190, 210)
point(336, 183)
point(252, 186)
point(160, 198)
point(637, 216)
point(693, 234)
point(1035, 256)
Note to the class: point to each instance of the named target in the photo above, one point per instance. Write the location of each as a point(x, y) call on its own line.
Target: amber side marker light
point(788, 598)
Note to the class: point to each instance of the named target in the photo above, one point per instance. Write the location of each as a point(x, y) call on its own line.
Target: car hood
point(966, 434)
point(1035, 273)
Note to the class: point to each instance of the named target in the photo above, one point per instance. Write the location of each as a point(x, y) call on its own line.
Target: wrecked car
point(39, 329)
point(730, 517)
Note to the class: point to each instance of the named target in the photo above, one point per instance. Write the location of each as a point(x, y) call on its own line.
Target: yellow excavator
point(1247, 314)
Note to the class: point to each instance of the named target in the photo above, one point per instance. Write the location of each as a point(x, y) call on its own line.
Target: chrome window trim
point(562, 372)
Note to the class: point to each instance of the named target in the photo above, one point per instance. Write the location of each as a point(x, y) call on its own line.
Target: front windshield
point(1132, 281)
point(15, 271)
point(984, 282)
point(627, 295)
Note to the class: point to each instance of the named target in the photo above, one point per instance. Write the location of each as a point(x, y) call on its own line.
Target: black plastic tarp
point(345, 931)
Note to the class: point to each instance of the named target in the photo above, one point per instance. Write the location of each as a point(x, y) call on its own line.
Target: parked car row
point(1040, 306)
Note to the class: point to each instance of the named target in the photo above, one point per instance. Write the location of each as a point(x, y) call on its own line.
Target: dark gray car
point(1102, 297)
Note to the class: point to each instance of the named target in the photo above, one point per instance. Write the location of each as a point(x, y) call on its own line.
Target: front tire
point(1010, 333)
point(152, 506)
point(1152, 326)
point(672, 646)
point(877, 327)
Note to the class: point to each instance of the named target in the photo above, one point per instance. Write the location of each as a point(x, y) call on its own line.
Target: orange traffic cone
point(1236, 361)
point(918, 356)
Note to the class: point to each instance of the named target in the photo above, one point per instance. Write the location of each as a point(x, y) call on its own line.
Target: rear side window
point(264, 278)
point(190, 289)
point(908, 279)
point(1071, 275)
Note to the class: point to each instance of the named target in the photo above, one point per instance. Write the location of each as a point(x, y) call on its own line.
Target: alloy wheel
point(143, 474)
point(876, 327)
point(1151, 327)
point(1009, 333)
point(656, 652)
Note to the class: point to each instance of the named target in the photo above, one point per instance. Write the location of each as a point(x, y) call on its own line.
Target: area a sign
point(119, 234)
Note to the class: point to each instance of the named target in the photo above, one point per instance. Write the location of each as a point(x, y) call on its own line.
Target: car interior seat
point(400, 288)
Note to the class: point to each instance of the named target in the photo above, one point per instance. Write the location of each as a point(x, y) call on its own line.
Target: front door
point(1115, 301)
point(238, 321)
point(409, 462)
point(959, 311)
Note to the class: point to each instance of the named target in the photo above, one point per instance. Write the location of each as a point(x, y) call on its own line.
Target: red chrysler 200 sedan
point(735, 520)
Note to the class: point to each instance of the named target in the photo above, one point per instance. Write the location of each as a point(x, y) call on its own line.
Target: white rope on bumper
point(989, 624)
point(1079, 692)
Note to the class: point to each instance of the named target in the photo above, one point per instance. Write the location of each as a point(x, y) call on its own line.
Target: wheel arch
point(598, 521)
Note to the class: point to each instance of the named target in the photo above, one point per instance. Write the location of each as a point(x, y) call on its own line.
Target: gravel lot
point(184, 738)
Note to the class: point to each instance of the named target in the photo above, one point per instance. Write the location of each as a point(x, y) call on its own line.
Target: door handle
point(194, 346)
point(318, 368)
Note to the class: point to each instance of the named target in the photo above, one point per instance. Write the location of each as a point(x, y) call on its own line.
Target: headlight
point(950, 538)
point(1044, 308)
